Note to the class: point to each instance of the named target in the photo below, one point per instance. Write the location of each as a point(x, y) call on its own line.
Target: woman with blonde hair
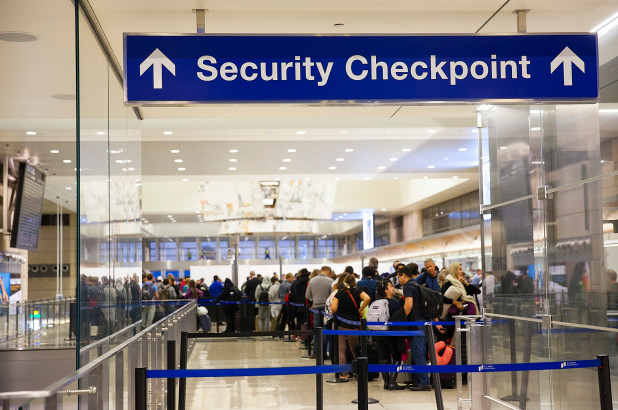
point(457, 292)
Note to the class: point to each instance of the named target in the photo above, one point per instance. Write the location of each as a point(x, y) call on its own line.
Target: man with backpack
point(412, 308)
point(318, 290)
point(149, 294)
point(429, 278)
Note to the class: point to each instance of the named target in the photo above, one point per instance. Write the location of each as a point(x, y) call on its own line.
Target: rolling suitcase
point(445, 355)
point(205, 323)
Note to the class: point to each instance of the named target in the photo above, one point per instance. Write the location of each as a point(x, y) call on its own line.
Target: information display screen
point(28, 208)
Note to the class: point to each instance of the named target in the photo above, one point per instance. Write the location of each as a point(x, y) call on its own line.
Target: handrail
point(108, 338)
point(37, 301)
point(55, 387)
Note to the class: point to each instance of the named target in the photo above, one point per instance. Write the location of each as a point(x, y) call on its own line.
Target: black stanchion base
point(337, 380)
point(513, 397)
point(369, 400)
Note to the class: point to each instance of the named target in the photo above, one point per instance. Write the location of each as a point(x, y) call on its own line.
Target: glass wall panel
point(246, 248)
point(109, 186)
point(208, 248)
point(168, 250)
point(286, 248)
point(306, 248)
point(267, 248)
point(188, 248)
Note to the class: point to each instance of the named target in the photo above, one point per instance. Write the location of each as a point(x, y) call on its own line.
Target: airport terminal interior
point(205, 193)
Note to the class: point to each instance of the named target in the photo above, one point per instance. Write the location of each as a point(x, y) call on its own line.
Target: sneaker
point(420, 388)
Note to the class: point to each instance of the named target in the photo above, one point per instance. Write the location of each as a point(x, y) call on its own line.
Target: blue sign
point(204, 68)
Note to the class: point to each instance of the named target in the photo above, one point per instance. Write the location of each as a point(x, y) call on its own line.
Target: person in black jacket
point(230, 293)
point(299, 287)
point(252, 284)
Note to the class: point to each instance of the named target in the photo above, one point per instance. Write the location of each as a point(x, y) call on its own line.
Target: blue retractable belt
point(261, 371)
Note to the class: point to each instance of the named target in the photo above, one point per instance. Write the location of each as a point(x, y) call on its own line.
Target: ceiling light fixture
point(232, 169)
point(54, 151)
point(381, 167)
point(168, 132)
point(178, 160)
point(100, 132)
point(395, 177)
point(291, 150)
point(349, 150)
point(339, 159)
point(68, 188)
point(502, 147)
point(282, 168)
point(332, 168)
point(425, 177)
point(392, 159)
point(406, 149)
point(185, 180)
point(535, 129)
point(233, 151)
point(233, 160)
point(287, 160)
point(31, 132)
point(301, 132)
point(18, 36)
point(431, 166)
point(66, 161)
point(455, 177)
point(384, 209)
point(182, 169)
point(175, 151)
point(431, 131)
point(463, 149)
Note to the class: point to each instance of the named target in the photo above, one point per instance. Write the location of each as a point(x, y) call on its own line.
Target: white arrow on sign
point(157, 60)
point(567, 58)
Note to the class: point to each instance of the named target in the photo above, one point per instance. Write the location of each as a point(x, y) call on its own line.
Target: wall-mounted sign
point(204, 68)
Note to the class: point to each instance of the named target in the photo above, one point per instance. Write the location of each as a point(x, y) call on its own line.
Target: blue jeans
point(418, 348)
point(318, 321)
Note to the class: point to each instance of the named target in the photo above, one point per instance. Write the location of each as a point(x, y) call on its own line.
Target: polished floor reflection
point(283, 392)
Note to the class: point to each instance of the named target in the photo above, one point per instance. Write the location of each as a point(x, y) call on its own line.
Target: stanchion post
point(182, 382)
point(362, 375)
point(140, 388)
point(431, 345)
point(605, 384)
point(363, 353)
point(319, 361)
point(513, 347)
point(335, 358)
point(523, 394)
point(243, 314)
point(171, 382)
point(217, 308)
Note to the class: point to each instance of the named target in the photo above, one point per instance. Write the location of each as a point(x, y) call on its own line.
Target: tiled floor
point(283, 392)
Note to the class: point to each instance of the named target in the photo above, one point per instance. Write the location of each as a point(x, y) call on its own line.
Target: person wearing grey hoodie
point(261, 296)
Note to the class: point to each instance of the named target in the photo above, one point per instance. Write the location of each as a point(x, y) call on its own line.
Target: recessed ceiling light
point(54, 151)
point(198, 212)
point(168, 132)
point(431, 166)
point(392, 159)
point(282, 168)
point(349, 150)
point(535, 129)
point(301, 132)
point(66, 161)
point(170, 216)
point(175, 151)
point(232, 168)
point(100, 132)
point(185, 180)
point(381, 167)
point(425, 177)
point(131, 169)
point(233, 160)
point(178, 160)
point(406, 149)
point(431, 131)
point(31, 132)
point(124, 170)
point(384, 209)
point(68, 188)
point(339, 160)
point(18, 36)
point(287, 160)
point(331, 168)
point(502, 147)
point(233, 151)
point(117, 151)
point(291, 150)
point(182, 169)
point(395, 177)
point(463, 149)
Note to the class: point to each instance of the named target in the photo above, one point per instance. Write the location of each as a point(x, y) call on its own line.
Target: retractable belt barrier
point(360, 367)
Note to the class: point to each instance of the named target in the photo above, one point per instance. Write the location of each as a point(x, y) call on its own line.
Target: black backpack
point(431, 302)
point(263, 295)
point(147, 292)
